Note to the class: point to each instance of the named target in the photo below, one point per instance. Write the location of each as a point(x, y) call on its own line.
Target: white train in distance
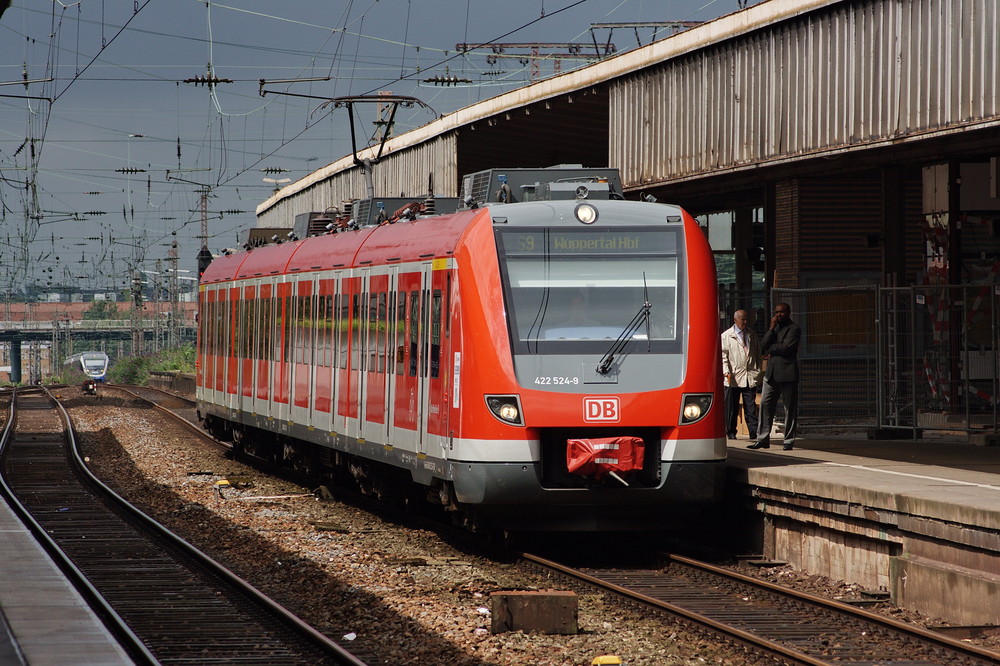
point(86, 369)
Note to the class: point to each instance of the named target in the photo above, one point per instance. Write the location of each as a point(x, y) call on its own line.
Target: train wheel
point(239, 440)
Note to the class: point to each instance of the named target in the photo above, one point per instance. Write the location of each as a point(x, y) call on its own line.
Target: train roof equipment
point(560, 182)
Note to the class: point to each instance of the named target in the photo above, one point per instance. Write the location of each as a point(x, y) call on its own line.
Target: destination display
point(614, 241)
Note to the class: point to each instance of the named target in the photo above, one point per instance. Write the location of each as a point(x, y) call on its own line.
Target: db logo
point(601, 409)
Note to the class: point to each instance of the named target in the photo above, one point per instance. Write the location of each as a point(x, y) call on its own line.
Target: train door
point(232, 348)
point(248, 332)
point(349, 390)
point(264, 349)
point(377, 298)
point(221, 332)
point(438, 351)
point(207, 325)
point(394, 338)
point(322, 403)
point(359, 349)
point(281, 382)
point(406, 399)
point(342, 353)
point(302, 350)
point(423, 373)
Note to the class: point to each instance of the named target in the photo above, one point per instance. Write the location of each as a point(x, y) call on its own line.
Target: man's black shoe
point(758, 445)
point(788, 447)
point(731, 435)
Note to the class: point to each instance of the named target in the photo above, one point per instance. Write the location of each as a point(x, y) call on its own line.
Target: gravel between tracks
point(400, 594)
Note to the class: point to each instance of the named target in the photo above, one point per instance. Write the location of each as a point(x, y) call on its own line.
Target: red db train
point(546, 363)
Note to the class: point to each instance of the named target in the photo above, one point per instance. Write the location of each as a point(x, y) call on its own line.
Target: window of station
point(728, 243)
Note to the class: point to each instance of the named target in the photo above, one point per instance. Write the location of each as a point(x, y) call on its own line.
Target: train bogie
point(539, 365)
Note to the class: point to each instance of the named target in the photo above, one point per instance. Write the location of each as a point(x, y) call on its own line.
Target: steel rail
point(129, 640)
point(754, 641)
point(847, 609)
point(259, 597)
point(833, 614)
point(254, 596)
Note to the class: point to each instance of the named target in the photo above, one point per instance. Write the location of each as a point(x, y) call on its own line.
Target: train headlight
point(586, 213)
point(694, 407)
point(506, 408)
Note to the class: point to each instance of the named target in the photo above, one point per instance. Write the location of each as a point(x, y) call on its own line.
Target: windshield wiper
point(641, 316)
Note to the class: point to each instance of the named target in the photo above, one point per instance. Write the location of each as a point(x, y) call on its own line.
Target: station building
point(842, 155)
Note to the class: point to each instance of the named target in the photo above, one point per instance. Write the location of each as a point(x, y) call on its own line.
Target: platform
point(917, 518)
point(43, 619)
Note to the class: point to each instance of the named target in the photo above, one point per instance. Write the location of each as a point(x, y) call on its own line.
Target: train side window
point(251, 311)
point(218, 319)
point(213, 332)
point(436, 333)
point(223, 323)
point(200, 323)
point(289, 327)
point(274, 328)
point(304, 329)
point(278, 327)
point(262, 328)
point(324, 330)
point(344, 329)
point(244, 323)
point(233, 321)
point(299, 332)
point(296, 328)
point(355, 332)
point(292, 327)
point(240, 326)
point(265, 327)
point(401, 333)
point(206, 323)
point(228, 341)
point(425, 314)
point(284, 335)
point(374, 318)
point(379, 321)
point(414, 330)
point(335, 319)
point(390, 332)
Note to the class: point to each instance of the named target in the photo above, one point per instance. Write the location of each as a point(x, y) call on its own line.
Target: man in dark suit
point(780, 346)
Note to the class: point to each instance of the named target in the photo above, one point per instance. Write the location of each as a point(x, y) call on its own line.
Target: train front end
point(597, 369)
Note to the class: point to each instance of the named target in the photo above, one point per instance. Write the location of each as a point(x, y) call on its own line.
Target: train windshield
point(572, 291)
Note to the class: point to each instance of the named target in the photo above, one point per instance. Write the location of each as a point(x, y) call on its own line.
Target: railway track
point(788, 625)
point(167, 602)
point(784, 624)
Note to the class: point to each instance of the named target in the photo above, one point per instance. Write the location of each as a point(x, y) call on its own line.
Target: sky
point(111, 139)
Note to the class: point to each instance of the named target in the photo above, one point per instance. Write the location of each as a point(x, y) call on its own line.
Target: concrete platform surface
point(917, 518)
point(940, 479)
point(43, 620)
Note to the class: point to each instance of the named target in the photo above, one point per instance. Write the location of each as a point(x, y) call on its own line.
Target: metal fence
point(838, 360)
point(894, 360)
point(938, 356)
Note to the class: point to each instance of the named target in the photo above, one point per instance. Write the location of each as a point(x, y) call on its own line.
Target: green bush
point(179, 359)
point(130, 370)
point(135, 369)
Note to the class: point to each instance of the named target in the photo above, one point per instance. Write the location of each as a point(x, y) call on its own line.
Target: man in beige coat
point(741, 373)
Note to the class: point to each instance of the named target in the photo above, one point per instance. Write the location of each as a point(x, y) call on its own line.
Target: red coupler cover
point(601, 455)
